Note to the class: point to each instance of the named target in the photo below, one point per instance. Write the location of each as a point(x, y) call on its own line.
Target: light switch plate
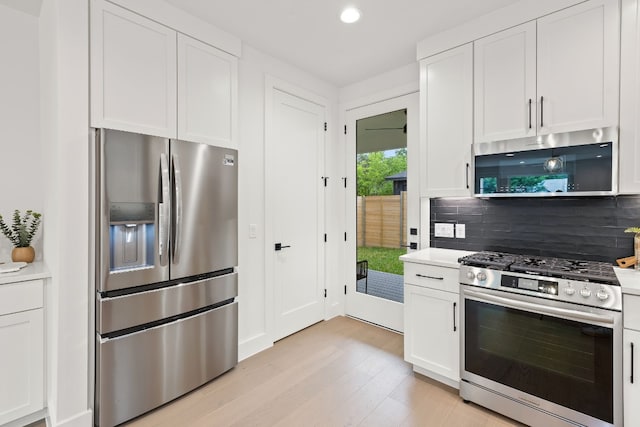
point(460, 231)
point(443, 229)
point(253, 231)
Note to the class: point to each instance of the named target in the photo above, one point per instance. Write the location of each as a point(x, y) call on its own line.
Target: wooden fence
point(382, 221)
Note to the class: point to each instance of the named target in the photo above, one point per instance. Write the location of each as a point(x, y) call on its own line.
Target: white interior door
point(295, 211)
point(366, 306)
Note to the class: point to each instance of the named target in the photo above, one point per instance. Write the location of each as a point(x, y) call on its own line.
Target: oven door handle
point(541, 309)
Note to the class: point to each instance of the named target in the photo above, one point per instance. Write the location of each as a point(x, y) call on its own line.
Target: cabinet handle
point(631, 363)
point(455, 328)
point(467, 175)
point(542, 111)
point(429, 277)
point(529, 113)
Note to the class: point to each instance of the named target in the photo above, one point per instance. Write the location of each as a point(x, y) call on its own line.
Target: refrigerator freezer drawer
point(128, 311)
point(141, 371)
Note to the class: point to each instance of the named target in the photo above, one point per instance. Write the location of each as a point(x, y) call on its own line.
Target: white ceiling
point(309, 34)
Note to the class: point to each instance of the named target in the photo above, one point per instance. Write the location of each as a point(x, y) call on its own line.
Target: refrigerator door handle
point(177, 200)
point(163, 211)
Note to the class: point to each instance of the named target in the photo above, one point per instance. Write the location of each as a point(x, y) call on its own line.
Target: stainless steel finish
point(590, 136)
point(127, 311)
point(209, 203)
point(127, 173)
point(568, 290)
point(553, 140)
point(141, 371)
point(525, 407)
point(519, 302)
point(177, 203)
point(164, 211)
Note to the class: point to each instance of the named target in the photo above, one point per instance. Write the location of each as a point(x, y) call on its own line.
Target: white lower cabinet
point(631, 348)
point(431, 326)
point(22, 354)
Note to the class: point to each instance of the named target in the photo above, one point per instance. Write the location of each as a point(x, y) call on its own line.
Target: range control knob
point(569, 290)
point(471, 275)
point(602, 294)
point(585, 292)
point(482, 276)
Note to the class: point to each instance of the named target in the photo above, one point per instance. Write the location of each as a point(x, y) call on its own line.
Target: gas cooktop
point(588, 271)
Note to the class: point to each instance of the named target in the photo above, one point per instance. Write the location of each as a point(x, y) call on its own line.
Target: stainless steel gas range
point(541, 339)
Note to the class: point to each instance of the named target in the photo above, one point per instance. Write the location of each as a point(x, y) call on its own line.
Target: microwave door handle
point(537, 308)
point(467, 175)
point(163, 211)
point(177, 201)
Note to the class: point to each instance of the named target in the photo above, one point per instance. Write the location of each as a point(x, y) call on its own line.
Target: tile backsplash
point(589, 228)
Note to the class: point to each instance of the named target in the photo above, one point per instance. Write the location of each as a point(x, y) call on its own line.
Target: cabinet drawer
point(631, 311)
point(20, 296)
point(431, 276)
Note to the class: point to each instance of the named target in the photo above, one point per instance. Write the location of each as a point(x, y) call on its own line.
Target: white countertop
point(436, 256)
point(629, 279)
point(33, 271)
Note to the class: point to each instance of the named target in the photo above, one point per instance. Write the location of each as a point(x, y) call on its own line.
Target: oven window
point(562, 361)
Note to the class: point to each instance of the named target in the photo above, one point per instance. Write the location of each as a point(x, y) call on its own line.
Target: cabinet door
point(207, 93)
point(21, 364)
point(631, 391)
point(505, 84)
point(431, 339)
point(133, 72)
point(446, 102)
point(578, 67)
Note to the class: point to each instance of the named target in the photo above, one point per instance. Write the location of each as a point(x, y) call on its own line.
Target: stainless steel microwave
point(583, 163)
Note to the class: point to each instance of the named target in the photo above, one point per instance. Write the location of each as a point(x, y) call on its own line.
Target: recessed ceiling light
point(350, 15)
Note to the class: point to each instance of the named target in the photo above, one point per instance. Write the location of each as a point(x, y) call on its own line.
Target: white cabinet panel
point(631, 390)
point(505, 84)
point(446, 92)
point(133, 72)
point(431, 331)
point(578, 67)
point(21, 364)
point(207, 93)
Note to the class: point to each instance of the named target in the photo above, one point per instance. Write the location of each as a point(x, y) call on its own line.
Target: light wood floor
point(342, 372)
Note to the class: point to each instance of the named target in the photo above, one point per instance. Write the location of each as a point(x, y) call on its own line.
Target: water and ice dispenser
point(132, 236)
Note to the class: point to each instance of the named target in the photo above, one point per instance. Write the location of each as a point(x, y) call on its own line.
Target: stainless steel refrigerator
point(166, 280)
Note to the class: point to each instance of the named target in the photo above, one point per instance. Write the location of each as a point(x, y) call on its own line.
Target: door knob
point(279, 246)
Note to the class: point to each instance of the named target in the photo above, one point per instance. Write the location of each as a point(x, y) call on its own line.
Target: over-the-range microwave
point(583, 163)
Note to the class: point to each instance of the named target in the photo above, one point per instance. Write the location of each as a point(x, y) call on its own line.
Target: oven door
point(560, 358)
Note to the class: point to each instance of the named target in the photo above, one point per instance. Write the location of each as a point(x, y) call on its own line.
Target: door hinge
point(324, 179)
point(344, 179)
point(345, 236)
point(325, 126)
point(325, 293)
point(325, 237)
point(345, 129)
point(345, 289)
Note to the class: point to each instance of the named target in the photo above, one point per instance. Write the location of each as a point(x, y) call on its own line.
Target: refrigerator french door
point(166, 252)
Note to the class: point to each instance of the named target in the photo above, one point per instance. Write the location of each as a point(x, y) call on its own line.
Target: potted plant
point(636, 243)
point(21, 233)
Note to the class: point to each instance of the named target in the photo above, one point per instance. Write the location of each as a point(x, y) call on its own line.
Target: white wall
point(21, 175)
point(254, 300)
point(64, 42)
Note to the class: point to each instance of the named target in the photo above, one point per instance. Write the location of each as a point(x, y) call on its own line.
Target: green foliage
point(383, 259)
point(373, 168)
point(23, 228)
point(632, 230)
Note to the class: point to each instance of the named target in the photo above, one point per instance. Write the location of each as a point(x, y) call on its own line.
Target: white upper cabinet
point(558, 73)
point(578, 67)
point(446, 104)
point(505, 84)
point(133, 72)
point(207, 93)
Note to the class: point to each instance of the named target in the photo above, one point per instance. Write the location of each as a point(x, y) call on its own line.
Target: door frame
point(386, 313)
point(271, 85)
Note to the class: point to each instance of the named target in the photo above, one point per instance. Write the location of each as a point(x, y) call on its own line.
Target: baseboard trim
point(254, 345)
point(82, 419)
